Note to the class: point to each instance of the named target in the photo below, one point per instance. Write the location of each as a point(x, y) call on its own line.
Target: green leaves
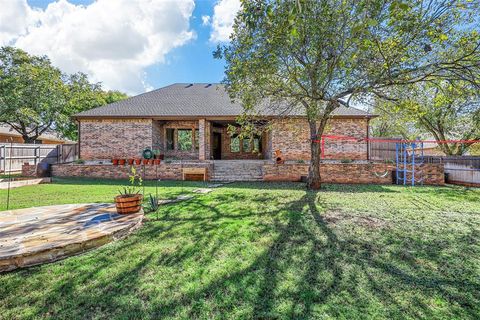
point(35, 96)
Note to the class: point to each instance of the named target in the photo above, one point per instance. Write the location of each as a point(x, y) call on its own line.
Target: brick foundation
point(361, 173)
point(349, 173)
point(167, 171)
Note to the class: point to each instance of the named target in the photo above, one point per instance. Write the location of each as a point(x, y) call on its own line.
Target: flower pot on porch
point(138, 161)
point(130, 162)
point(157, 161)
point(146, 161)
point(121, 162)
point(115, 162)
point(128, 203)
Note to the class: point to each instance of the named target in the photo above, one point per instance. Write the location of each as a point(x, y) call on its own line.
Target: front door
point(217, 146)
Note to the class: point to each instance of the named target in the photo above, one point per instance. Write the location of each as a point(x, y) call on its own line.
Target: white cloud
point(224, 14)
point(205, 20)
point(15, 16)
point(111, 40)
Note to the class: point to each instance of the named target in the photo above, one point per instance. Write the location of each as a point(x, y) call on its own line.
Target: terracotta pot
point(130, 162)
point(146, 161)
point(157, 161)
point(138, 161)
point(121, 162)
point(129, 203)
point(115, 162)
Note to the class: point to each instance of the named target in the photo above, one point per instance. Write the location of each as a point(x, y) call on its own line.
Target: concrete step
point(225, 170)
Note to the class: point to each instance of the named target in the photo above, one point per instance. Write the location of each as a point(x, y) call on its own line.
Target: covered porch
point(206, 139)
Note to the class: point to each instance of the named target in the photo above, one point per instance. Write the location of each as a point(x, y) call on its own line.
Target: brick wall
point(158, 136)
point(167, 171)
point(114, 138)
point(29, 170)
point(349, 173)
point(292, 138)
point(367, 173)
point(126, 138)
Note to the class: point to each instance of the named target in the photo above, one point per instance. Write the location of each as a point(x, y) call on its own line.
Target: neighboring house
point(7, 134)
point(190, 121)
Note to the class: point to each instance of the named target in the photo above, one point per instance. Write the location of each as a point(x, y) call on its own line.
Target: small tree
point(443, 110)
point(35, 96)
point(32, 93)
point(318, 55)
point(391, 124)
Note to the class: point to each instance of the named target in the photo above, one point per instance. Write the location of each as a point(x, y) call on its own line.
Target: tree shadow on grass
point(329, 254)
point(308, 268)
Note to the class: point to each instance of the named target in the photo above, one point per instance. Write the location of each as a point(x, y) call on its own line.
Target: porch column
point(203, 139)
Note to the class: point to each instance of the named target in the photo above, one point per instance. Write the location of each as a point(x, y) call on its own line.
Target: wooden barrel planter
point(130, 203)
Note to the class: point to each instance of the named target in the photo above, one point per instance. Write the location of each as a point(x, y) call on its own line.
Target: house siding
point(292, 138)
point(114, 138)
point(126, 138)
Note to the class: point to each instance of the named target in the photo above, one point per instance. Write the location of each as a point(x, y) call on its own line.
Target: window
point(170, 134)
point(184, 139)
point(197, 138)
point(257, 144)
point(235, 144)
point(246, 145)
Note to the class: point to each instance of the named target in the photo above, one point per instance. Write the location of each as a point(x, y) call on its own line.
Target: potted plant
point(130, 200)
point(156, 156)
point(146, 161)
point(115, 162)
point(121, 162)
point(130, 162)
point(138, 161)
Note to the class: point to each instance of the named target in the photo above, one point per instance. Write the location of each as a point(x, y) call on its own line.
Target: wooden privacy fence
point(459, 169)
point(13, 156)
point(382, 150)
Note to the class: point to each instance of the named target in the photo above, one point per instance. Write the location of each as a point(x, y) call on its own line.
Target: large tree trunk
point(314, 181)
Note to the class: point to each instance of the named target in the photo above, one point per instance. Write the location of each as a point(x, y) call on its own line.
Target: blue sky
point(128, 46)
point(193, 62)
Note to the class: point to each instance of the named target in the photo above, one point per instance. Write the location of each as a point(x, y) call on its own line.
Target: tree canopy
point(440, 110)
point(36, 97)
point(318, 55)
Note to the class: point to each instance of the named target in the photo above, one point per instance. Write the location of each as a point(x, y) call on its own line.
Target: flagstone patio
point(45, 234)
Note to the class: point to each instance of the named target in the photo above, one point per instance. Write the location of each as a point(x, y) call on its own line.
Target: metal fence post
point(3, 155)
point(58, 153)
point(37, 154)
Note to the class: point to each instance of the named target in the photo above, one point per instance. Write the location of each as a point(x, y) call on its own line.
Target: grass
point(268, 251)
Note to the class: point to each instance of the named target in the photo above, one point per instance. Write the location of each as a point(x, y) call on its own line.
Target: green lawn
point(265, 250)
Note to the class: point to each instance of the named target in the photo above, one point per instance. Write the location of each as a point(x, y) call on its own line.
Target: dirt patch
point(337, 217)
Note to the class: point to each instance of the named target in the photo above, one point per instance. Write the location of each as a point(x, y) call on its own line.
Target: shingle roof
point(182, 99)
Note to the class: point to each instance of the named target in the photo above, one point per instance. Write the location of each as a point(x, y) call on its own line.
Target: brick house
point(190, 122)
